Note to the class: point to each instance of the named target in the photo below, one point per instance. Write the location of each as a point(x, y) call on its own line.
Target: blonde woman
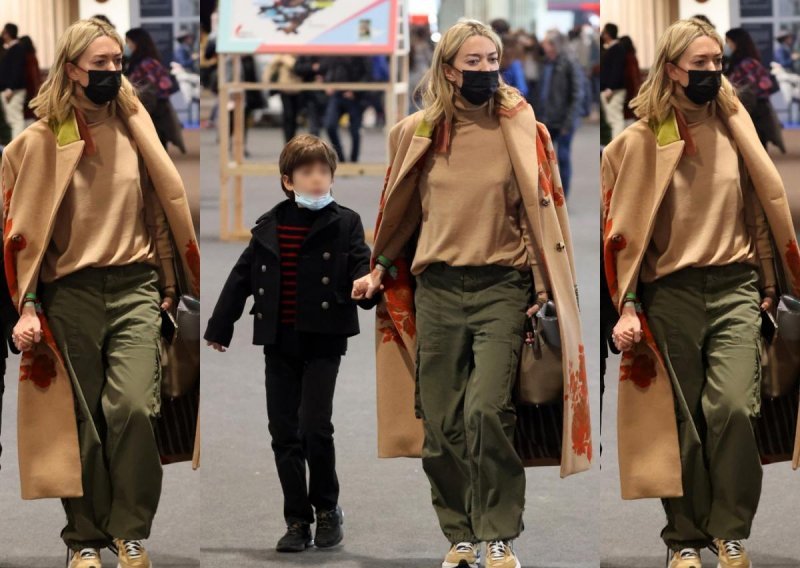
point(691, 202)
point(92, 204)
point(465, 174)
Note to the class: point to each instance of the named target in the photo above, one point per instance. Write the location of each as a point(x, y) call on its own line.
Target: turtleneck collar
point(693, 112)
point(94, 113)
point(468, 112)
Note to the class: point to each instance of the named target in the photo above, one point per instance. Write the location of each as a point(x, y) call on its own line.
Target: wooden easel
point(232, 165)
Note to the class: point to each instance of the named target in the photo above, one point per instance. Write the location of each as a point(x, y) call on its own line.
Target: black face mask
point(703, 86)
point(103, 85)
point(479, 86)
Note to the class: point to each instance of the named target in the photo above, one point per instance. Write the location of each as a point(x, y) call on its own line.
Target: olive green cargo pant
point(706, 322)
point(470, 323)
point(106, 322)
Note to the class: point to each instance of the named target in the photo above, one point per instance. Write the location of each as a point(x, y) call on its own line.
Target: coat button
point(560, 246)
point(326, 280)
point(259, 315)
point(261, 291)
point(263, 268)
point(616, 237)
point(545, 201)
point(325, 305)
point(16, 238)
point(326, 255)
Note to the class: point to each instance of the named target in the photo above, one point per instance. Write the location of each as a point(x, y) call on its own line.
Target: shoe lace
point(464, 547)
point(88, 553)
point(688, 554)
point(296, 528)
point(133, 548)
point(326, 519)
point(497, 549)
point(734, 548)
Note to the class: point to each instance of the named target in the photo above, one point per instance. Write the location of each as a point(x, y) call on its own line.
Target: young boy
point(300, 266)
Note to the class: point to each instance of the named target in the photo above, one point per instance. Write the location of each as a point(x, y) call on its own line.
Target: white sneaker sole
point(476, 564)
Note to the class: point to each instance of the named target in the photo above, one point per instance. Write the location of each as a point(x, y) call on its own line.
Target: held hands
point(28, 330)
point(216, 346)
point(366, 286)
point(628, 330)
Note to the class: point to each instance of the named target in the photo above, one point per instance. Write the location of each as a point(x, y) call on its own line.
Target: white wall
point(118, 11)
point(718, 11)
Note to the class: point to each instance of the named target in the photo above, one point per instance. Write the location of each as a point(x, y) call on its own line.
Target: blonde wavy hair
point(652, 101)
point(435, 91)
point(52, 103)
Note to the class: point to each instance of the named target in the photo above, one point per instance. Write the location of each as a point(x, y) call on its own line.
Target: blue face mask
point(313, 203)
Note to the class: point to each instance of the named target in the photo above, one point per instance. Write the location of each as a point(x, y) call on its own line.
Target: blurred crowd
point(156, 77)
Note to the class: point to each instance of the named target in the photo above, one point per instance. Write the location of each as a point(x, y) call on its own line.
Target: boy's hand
point(216, 346)
point(367, 285)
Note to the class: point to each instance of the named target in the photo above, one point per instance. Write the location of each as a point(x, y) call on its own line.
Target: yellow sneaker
point(732, 554)
point(500, 555)
point(131, 554)
point(686, 558)
point(463, 555)
point(85, 558)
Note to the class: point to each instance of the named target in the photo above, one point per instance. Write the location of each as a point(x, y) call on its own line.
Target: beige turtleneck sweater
point(468, 206)
point(110, 215)
point(710, 215)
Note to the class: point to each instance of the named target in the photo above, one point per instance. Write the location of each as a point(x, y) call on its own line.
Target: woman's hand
point(628, 330)
point(770, 299)
point(541, 300)
point(367, 285)
point(216, 346)
point(167, 303)
point(28, 330)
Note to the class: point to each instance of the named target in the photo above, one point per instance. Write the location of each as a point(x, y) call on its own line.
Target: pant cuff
point(455, 538)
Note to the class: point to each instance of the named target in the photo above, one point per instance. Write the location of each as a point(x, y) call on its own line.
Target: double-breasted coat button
point(326, 255)
point(560, 246)
point(545, 201)
point(261, 291)
point(325, 305)
point(326, 280)
point(259, 315)
point(263, 268)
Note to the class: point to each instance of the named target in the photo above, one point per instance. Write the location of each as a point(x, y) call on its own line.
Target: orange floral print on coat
point(578, 396)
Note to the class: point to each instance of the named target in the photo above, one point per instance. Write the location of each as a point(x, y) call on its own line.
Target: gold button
point(259, 315)
point(560, 246)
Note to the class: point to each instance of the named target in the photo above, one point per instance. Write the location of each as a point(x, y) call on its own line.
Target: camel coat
point(37, 169)
point(637, 168)
point(530, 148)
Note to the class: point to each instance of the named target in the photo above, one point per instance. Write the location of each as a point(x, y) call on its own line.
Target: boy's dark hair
point(611, 30)
point(12, 30)
point(301, 150)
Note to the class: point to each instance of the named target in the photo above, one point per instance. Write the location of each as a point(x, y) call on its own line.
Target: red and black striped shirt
point(292, 231)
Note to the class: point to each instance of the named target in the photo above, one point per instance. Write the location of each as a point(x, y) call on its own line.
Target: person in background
point(281, 70)
point(612, 79)
point(12, 80)
point(632, 74)
point(784, 51)
point(375, 99)
point(310, 70)
point(560, 92)
point(511, 68)
point(421, 52)
point(753, 84)
point(154, 85)
point(346, 70)
point(185, 54)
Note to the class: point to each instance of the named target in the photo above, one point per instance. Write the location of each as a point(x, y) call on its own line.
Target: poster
point(307, 26)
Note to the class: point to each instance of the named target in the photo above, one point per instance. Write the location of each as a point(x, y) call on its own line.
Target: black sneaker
point(296, 539)
point(329, 528)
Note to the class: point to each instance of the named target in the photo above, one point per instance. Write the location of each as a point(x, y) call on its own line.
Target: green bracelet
point(383, 261)
point(30, 296)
